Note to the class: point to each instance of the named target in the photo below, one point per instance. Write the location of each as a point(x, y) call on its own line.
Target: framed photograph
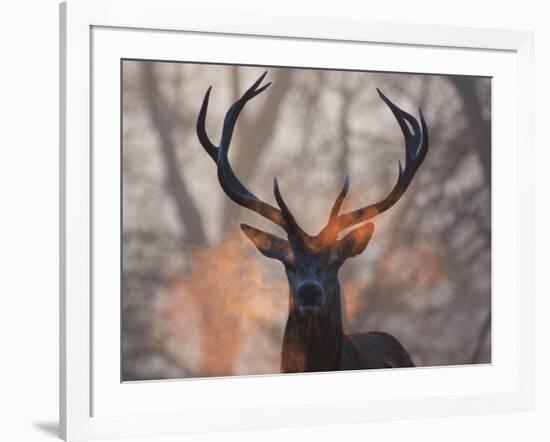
point(286, 221)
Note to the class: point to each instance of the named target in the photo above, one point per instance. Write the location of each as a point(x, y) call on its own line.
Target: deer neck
point(313, 343)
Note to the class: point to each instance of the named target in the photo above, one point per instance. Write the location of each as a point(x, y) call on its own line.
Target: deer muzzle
point(310, 297)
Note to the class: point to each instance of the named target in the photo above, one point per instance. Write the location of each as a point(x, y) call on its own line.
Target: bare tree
point(162, 117)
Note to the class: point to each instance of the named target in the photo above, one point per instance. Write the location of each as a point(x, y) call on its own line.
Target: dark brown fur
point(318, 343)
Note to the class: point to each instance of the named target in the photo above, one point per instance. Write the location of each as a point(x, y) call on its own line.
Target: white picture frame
point(94, 404)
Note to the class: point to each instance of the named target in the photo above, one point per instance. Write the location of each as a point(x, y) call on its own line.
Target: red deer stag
point(314, 339)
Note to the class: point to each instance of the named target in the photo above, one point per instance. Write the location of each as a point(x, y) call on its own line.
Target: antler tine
point(292, 225)
point(227, 133)
point(416, 148)
point(233, 113)
point(210, 148)
point(339, 200)
point(411, 139)
point(229, 182)
point(330, 231)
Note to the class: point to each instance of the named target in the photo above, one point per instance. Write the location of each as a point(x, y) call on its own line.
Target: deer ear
point(269, 245)
point(355, 241)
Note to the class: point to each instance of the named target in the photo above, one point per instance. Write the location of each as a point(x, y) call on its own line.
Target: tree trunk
point(188, 213)
point(480, 127)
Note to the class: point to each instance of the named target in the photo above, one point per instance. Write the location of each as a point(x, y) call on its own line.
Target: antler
point(416, 148)
point(227, 178)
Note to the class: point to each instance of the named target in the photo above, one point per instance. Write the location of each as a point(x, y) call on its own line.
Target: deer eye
point(334, 262)
point(289, 264)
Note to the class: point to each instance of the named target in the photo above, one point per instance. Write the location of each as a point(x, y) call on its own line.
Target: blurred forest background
point(199, 300)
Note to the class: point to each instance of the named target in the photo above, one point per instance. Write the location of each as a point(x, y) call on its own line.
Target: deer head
point(311, 262)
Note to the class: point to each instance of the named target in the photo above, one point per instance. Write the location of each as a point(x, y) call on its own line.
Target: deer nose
point(310, 294)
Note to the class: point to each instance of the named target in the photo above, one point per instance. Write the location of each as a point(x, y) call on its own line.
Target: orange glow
point(419, 263)
point(226, 315)
point(203, 319)
point(352, 293)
